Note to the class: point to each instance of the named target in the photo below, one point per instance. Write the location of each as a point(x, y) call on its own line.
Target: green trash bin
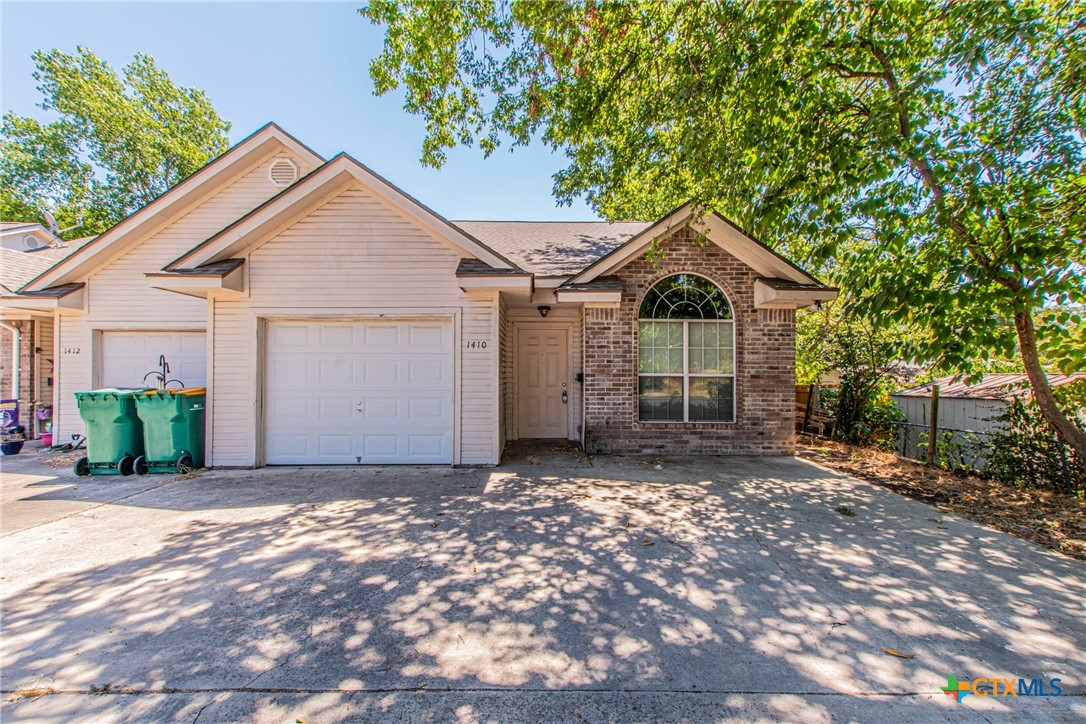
point(173, 429)
point(114, 432)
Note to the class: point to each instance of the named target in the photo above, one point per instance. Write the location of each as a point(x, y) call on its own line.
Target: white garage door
point(359, 392)
point(128, 356)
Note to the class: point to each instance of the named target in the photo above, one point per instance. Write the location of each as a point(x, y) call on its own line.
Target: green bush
point(1025, 452)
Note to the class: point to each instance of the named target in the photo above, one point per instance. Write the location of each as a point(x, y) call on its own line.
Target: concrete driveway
point(552, 588)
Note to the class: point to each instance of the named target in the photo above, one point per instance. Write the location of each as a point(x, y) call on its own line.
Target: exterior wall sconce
point(543, 311)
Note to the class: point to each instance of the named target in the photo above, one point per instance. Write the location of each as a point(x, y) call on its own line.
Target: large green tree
point(934, 150)
point(118, 140)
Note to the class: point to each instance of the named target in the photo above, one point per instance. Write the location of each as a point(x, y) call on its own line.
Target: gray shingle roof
point(474, 267)
point(215, 268)
point(19, 267)
point(600, 284)
point(553, 248)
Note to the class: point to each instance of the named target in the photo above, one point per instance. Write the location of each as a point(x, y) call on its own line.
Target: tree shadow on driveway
point(729, 576)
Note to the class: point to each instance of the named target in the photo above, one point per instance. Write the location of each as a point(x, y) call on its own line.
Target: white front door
point(543, 383)
point(128, 357)
point(348, 392)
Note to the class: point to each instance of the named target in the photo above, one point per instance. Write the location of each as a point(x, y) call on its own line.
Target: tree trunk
point(1042, 391)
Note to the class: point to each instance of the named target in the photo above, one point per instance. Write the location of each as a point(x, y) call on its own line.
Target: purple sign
point(9, 413)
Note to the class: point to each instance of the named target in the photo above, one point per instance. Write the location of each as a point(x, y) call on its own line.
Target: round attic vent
point(283, 172)
point(32, 242)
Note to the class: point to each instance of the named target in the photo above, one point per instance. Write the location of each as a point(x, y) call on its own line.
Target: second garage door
point(359, 392)
point(127, 357)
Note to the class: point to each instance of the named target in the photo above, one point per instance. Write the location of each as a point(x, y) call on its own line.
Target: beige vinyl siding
point(355, 257)
point(120, 298)
point(519, 316)
point(505, 357)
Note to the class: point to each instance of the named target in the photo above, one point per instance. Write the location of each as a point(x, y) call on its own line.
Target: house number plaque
point(476, 344)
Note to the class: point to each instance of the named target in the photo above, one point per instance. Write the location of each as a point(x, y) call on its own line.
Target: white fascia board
point(73, 301)
point(500, 282)
point(200, 285)
point(171, 205)
point(578, 295)
point(758, 257)
point(327, 182)
point(766, 297)
point(269, 220)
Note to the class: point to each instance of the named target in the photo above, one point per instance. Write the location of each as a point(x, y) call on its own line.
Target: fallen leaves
point(647, 542)
point(66, 460)
point(895, 652)
point(1046, 518)
point(846, 511)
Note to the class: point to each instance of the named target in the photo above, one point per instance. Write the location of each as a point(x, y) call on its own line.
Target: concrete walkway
point(551, 588)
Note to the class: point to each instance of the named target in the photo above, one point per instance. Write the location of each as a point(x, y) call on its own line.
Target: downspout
point(15, 334)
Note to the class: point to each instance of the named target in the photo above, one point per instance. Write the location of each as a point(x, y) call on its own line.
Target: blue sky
point(302, 65)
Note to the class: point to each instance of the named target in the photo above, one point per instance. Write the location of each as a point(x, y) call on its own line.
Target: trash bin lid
point(116, 391)
point(179, 391)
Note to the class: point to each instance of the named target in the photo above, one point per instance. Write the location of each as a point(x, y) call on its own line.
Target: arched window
point(686, 352)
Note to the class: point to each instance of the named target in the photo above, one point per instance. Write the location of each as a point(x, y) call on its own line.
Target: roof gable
point(171, 205)
point(322, 184)
point(716, 229)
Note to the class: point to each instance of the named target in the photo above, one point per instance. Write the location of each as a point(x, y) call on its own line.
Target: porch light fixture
point(544, 311)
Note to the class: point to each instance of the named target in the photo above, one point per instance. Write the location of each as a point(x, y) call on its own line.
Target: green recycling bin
point(114, 432)
point(173, 429)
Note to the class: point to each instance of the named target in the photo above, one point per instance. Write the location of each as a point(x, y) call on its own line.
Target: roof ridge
point(545, 221)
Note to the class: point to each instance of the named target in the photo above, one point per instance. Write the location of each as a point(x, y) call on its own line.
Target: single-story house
point(334, 319)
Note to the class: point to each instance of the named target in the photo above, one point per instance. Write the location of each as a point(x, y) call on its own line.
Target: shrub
point(1026, 451)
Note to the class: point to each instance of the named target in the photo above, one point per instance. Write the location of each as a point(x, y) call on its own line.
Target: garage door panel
point(336, 445)
point(380, 370)
point(376, 337)
point(127, 357)
point(338, 370)
point(375, 392)
point(336, 336)
point(284, 335)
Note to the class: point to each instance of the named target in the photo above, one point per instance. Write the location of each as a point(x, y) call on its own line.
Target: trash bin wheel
point(126, 465)
point(82, 467)
point(140, 465)
point(184, 464)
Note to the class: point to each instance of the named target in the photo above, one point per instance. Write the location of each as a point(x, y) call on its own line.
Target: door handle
point(565, 398)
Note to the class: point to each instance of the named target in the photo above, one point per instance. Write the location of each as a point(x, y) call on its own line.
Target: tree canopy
point(930, 152)
point(118, 141)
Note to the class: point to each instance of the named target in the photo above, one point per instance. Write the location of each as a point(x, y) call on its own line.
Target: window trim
point(686, 375)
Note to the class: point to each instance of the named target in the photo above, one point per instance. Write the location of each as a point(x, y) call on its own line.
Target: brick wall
point(765, 364)
point(27, 387)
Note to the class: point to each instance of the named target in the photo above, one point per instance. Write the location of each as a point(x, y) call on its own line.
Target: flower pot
point(47, 439)
point(11, 448)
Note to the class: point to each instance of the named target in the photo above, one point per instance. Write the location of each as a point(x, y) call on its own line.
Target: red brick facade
point(29, 384)
point(764, 355)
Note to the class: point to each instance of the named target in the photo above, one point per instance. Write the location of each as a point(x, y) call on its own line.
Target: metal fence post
point(933, 429)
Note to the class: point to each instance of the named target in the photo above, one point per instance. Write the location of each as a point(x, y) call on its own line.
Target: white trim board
point(263, 144)
point(718, 230)
point(328, 181)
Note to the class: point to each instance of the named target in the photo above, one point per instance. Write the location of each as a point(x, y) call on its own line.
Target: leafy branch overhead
point(117, 141)
point(929, 154)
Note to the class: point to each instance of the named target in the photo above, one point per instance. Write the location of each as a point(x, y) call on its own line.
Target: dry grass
point(31, 693)
point(1048, 519)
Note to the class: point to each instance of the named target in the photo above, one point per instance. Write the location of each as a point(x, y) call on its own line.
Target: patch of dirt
point(1054, 521)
